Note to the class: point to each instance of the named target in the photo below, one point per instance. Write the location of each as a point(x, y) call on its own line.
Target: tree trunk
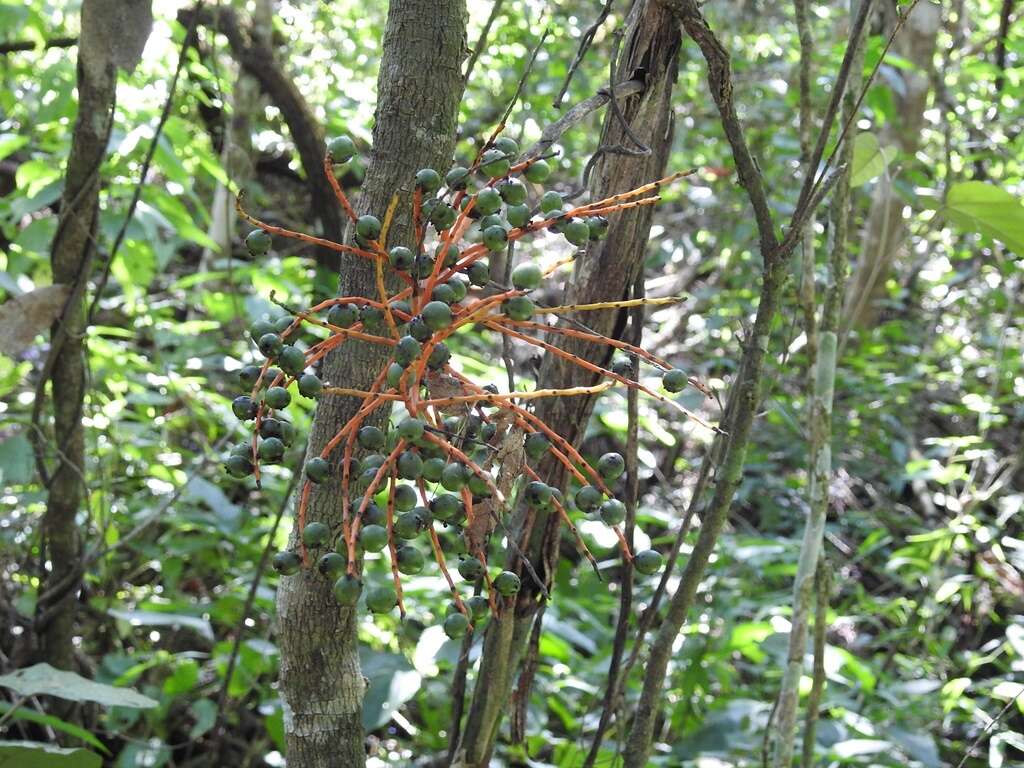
point(419, 90)
point(113, 35)
point(606, 273)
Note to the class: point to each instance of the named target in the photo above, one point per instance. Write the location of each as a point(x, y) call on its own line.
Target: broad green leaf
point(34, 754)
point(33, 716)
point(869, 159)
point(159, 619)
point(11, 142)
point(16, 464)
point(977, 206)
point(42, 678)
point(393, 682)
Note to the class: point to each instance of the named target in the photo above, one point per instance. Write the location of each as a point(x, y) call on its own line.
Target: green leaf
point(159, 619)
point(33, 754)
point(870, 159)
point(34, 716)
point(393, 682)
point(11, 142)
point(16, 465)
point(977, 206)
point(42, 678)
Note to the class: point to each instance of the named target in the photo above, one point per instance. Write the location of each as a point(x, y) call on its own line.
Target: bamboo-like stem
point(822, 588)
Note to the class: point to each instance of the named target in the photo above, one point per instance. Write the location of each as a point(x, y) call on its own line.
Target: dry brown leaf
point(24, 317)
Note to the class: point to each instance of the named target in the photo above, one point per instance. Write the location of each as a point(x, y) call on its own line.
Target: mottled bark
point(419, 89)
point(607, 272)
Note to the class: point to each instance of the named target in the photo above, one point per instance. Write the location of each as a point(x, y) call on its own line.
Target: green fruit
point(494, 163)
point(432, 469)
point(437, 315)
point(408, 525)
point(622, 367)
point(271, 449)
point(478, 486)
point(459, 288)
point(443, 216)
point(478, 606)
point(479, 272)
point(507, 583)
point(598, 226)
point(341, 149)
point(537, 445)
point(292, 360)
point(647, 562)
point(371, 438)
point(507, 145)
point(439, 356)
point(395, 372)
point(283, 323)
point(373, 538)
point(487, 431)
point(518, 308)
point(443, 293)
point(470, 568)
point(451, 255)
point(611, 466)
point(419, 330)
point(410, 560)
point(241, 449)
point(244, 408)
point(588, 498)
point(277, 397)
point(576, 232)
point(238, 466)
point(286, 563)
point(270, 345)
point(372, 461)
point(410, 428)
point(287, 432)
point(343, 315)
point(318, 469)
point(537, 171)
point(492, 220)
point(372, 318)
point(613, 512)
point(315, 534)
point(331, 565)
point(526, 276)
point(407, 350)
point(559, 223)
point(257, 242)
point(550, 201)
point(404, 497)
point(674, 380)
point(457, 178)
point(454, 477)
point(310, 385)
point(248, 375)
point(410, 465)
point(446, 507)
point(518, 215)
point(537, 494)
point(374, 515)
point(368, 227)
point(512, 192)
point(488, 201)
point(400, 309)
point(495, 238)
point(381, 598)
point(428, 180)
point(456, 626)
point(401, 258)
point(347, 589)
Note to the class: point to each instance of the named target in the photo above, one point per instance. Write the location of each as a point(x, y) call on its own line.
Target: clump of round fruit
point(470, 568)
point(576, 232)
point(613, 511)
point(518, 307)
point(341, 149)
point(343, 315)
point(428, 180)
point(537, 445)
point(271, 449)
point(368, 227)
point(371, 438)
point(318, 469)
point(270, 345)
point(647, 561)
point(310, 385)
point(410, 560)
point(277, 397)
point(611, 466)
point(526, 276)
point(537, 171)
point(373, 538)
point(244, 408)
point(588, 498)
point(331, 564)
point(495, 163)
point(457, 178)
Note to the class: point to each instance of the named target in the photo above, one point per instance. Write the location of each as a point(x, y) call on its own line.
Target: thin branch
point(481, 43)
point(585, 40)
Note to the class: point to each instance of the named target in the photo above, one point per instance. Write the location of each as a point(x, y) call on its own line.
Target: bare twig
point(585, 40)
point(481, 42)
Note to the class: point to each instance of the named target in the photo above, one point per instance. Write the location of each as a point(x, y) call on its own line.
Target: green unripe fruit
point(598, 226)
point(372, 318)
point(310, 385)
point(381, 598)
point(507, 583)
point(478, 486)
point(439, 357)
point(479, 272)
point(623, 367)
point(450, 256)
point(278, 397)
point(368, 227)
point(419, 330)
point(459, 288)
point(395, 372)
point(257, 242)
point(406, 350)
point(286, 563)
point(283, 323)
point(443, 216)
point(456, 626)
point(315, 534)
point(292, 360)
point(410, 560)
point(487, 431)
point(244, 408)
point(437, 315)
point(495, 238)
point(341, 149)
point(443, 293)
point(588, 498)
point(518, 215)
point(331, 565)
point(613, 512)
point(478, 606)
point(576, 232)
point(559, 224)
point(518, 308)
point(318, 469)
point(647, 562)
point(611, 466)
point(550, 201)
point(372, 461)
point(433, 468)
point(401, 258)
point(537, 171)
point(674, 380)
point(507, 145)
point(408, 525)
point(241, 449)
point(270, 345)
point(512, 192)
point(404, 497)
point(343, 315)
point(347, 590)
point(446, 507)
point(373, 538)
point(471, 569)
point(457, 178)
point(400, 308)
point(526, 276)
point(487, 201)
point(492, 220)
point(453, 478)
point(428, 180)
point(238, 466)
point(271, 449)
point(410, 465)
point(537, 494)
point(287, 432)
point(410, 428)
point(374, 515)
point(537, 445)
point(248, 375)
point(494, 163)
point(371, 438)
